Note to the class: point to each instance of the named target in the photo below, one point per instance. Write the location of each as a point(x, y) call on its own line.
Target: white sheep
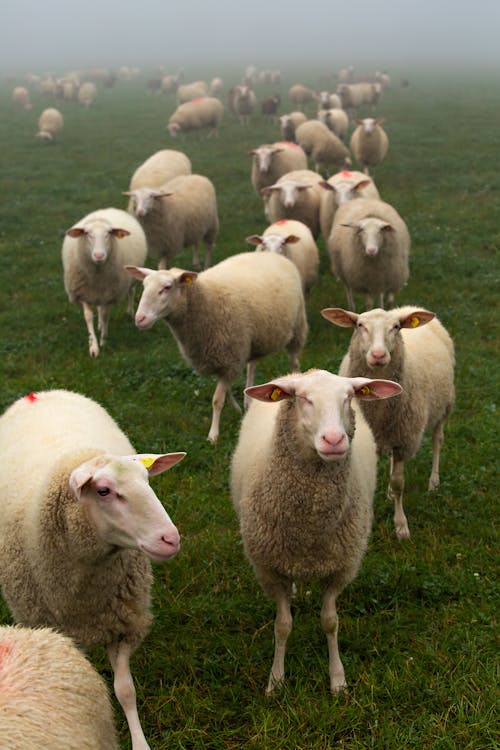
point(356, 95)
point(369, 248)
point(215, 87)
point(322, 146)
point(294, 240)
point(50, 695)
point(159, 168)
point(303, 477)
point(181, 213)
point(203, 113)
point(78, 527)
point(87, 93)
point(340, 188)
point(244, 102)
point(296, 195)
point(50, 124)
point(369, 143)
point(193, 90)
point(327, 100)
point(94, 253)
point(336, 120)
point(289, 124)
point(21, 98)
point(411, 346)
point(300, 95)
point(272, 161)
point(228, 316)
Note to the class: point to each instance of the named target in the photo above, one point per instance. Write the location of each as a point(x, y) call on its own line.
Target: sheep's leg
point(368, 301)
point(250, 380)
point(381, 300)
point(89, 320)
point(196, 256)
point(330, 625)
point(208, 255)
point(103, 322)
point(131, 300)
point(162, 263)
point(437, 442)
point(233, 400)
point(119, 657)
point(366, 169)
point(218, 399)
point(395, 493)
point(282, 630)
point(350, 299)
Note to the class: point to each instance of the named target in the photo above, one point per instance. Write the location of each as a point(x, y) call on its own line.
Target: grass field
point(417, 633)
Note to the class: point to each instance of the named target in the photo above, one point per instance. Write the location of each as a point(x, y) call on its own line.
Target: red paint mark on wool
point(281, 222)
point(31, 397)
point(4, 651)
point(346, 173)
point(290, 144)
point(198, 99)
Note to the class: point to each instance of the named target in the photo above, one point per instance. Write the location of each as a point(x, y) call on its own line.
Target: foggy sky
point(39, 34)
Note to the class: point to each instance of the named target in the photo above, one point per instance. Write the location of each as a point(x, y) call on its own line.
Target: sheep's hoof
point(433, 482)
point(402, 530)
point(274, 685)
point(94, 351)
point(340, 687)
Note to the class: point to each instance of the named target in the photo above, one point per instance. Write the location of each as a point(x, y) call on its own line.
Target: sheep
point(369, 143)
point(296, 195)
point(303, 477)
point(188, 91)
point(50, 695)
point(228, 316)
point(289, 123)
point(335, 120)
point(294, 240)
point(243, 103)
point(215, 87)
point(169, 84)
point(270, 106)
point(21, 98)
point(323, 146)
point(159, 168)
point(198, 114)
point(355, 95)
point(70, 559)
point(411, 346)
point(50, 124)
point(180, 213)
point(272, 161)
point(94, 253)
point(87, 93)
point(300, 95)
point(340, 188)
point(328, 101)
point(369, 247)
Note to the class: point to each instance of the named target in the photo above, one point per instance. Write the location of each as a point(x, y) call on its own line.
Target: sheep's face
point(163, 294)
point(379, 332)
point(144, 200)
point(368, 125)
point(289, 192)
point(371, 233)
point(263, 156)
point(98, 238)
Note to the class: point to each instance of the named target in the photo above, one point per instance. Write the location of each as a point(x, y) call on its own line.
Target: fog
point(43, 34)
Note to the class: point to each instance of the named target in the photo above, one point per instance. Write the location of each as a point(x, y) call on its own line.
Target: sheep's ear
point(75, 232)
point(358, 122)
point(350, 224)
point(78, 478)
point(416, 318)
point(267, 190)
point(303, 187)
point(155, 463)
point(254, 239)
point(387, 227)
point(371, 389)
point(340, 317)
point(187, 277)
point(362, 183)
point(128, 192)
point(291, 239)
point(380, 121)
point(119, 233)
point(252, 152)
point(326, 185)
point(138, 273)
point(268, 392)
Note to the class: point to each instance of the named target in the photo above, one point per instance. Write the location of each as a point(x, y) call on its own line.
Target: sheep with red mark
point(339, 188)
point(272, 161)
point(296, 195)
point(289, 124)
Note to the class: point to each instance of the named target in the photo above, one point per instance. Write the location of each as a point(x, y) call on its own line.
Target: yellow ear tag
point(276, 393)
point(188, 280)
point(414, 321)
point(365, 390)
point(148, 461)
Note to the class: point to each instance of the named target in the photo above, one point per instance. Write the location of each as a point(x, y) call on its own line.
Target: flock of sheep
point(80, 522)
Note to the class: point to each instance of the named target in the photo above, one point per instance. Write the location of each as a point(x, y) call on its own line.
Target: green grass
point(417, 625)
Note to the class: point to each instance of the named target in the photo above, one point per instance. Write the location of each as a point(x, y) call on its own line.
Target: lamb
point(94, 253)
point(300, 95)
point(180, 213)
point(295, 241)
point(50, 124)
point(340, 188)
point(198, 114)
point(87, 93)
point(228, 316)
point(303, 477)
point(323, 146)
point(335, 120)
point(272, 161)
point(48, 690)
point(188, 91)
point(369, 248)
point(411, 346)
point(289, 124)
point(296, 195)
point(369, 143)
point(244, 102)
point(78, 527)
point(159, 168)
point(21, 98)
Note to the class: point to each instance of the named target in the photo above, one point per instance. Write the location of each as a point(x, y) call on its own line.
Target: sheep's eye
point(165, 288)
point(103, 491)
point(396, 327)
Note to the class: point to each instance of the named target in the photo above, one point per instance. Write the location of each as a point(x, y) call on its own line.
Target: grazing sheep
point(198, 114)
point(300, 95)
point(340, 188)
point(335, 120)
point(159, 168)
point(244, 102)
point(289, 124)
point(295, 241)
point(87, 93)
point(272, 161)
point(411, 346)
point(94, 253)
point(296, 195)
point(21, 98)
point(78, 527)
point(227, 317)
point(188, 91)
point(369, 247)
point(369, 143)
point(322, 146)
point(50, 124)
point(303, 476)
point(50, 695)
point(180, 213)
